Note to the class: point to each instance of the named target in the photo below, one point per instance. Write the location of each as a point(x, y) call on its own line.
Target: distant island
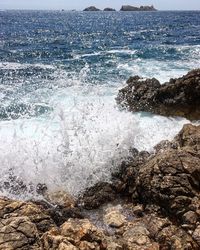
point(91, 8)
point(141, 8)
point(124, 8)
point(109, 9)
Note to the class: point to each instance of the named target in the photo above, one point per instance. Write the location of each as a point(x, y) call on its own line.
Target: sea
point(60, 72)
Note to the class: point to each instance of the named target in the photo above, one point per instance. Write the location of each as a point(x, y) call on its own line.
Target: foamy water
point(81, 142)
point(60, 74)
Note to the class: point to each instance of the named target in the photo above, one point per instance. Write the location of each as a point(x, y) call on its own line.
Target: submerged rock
point(91, 8)
point(178, 97)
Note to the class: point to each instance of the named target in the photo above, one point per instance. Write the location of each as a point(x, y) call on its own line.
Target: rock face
point(91, 8)
point(109, 9)
point(141, 8)
point(178, 97)
point(171, 180)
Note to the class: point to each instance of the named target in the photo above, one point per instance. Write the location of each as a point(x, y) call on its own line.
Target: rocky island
point(109, 9)
point(91, 8)
point(178, 97)
point(141, 8)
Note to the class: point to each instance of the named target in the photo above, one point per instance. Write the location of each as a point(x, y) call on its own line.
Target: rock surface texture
point(178, 97)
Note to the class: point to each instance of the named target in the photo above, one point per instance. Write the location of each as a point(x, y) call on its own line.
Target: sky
point(81, 4)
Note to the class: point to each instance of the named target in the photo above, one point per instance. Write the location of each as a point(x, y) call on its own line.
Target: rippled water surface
point(59, 75)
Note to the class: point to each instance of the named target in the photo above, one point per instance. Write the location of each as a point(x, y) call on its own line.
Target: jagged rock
point(79, 231)
point(133, 8)
point(136, 237)
point(53, 240)
point(91, 8)
point(178, 97)
point(109, 9)
point(60, 198)
point(18, 233)
point(114, 218)
point(170, 179)
point(36, 214)
point(97, 195)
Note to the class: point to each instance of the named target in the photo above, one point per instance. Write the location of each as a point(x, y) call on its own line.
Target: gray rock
point(91, 8)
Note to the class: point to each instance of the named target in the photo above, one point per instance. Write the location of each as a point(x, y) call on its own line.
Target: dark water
point(59, 75)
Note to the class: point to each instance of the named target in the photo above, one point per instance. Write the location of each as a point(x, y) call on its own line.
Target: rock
point(91, 8)
point(114, 218)
point(36, 214)
point(178, 97)
point(53, 240)
point(138, 210)
point(18, 233)
point(136, 237)
point(97, 195)
point(60, 198)
point(170, 179)
point(109, 9)
point(79, 231)
point(196, 235)
point(141, 8)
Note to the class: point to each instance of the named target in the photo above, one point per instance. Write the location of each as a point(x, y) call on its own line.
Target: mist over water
point(60, 74)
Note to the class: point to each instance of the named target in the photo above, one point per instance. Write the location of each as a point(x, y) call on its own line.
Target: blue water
point(59, 75)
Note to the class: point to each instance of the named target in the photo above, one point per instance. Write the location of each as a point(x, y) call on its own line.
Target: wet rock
point(123, 179)
point(178, 97)
point(114, 218)
point(60, 198)
point(97, 195)
point(91, 8)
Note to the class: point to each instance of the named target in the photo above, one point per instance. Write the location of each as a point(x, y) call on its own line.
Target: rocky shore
point(152, 201)
point(178, 97)
point(124, 8)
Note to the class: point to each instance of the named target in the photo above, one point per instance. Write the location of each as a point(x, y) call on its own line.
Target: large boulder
point(178, 97)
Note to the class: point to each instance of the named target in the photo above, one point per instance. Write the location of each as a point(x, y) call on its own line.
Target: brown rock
point(36, 214)
point(60, 198)
point(136, 237)
point(18, 233)
point(178, 97)
point(81, 230)
point(114, 218)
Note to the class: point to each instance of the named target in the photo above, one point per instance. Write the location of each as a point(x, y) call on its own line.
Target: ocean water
point(59, 75)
